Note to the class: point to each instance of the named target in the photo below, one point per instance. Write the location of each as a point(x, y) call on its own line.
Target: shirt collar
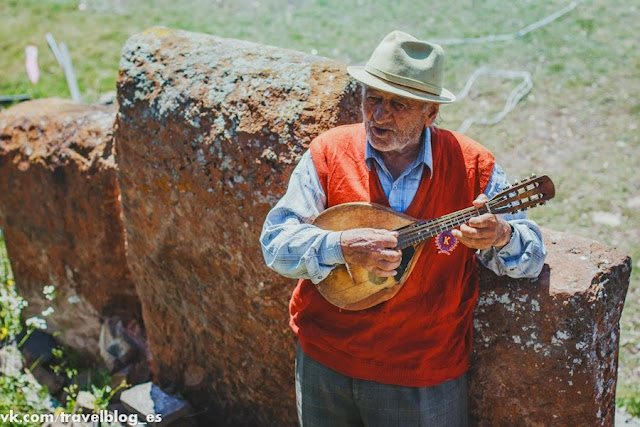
point(425, 156)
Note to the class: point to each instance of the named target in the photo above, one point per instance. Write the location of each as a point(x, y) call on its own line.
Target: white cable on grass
point(519, 92)
point(506, 37)
point(522, 89)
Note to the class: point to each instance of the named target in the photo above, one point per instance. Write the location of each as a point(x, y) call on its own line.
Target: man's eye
point(373, 99)
point(398, 106)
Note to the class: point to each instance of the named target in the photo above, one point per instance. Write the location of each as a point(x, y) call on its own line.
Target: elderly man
point(402, 362)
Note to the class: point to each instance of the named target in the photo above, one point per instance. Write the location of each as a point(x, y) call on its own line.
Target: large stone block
point(546, 351)
point(207, 134)
point(61, 217)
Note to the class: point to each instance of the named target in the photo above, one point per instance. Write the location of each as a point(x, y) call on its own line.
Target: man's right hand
point(373, 249)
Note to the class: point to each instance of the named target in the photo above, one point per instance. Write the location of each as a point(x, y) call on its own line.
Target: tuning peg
point(515, 182)
point(543, 203)
point(506, 187)
point(533, 175)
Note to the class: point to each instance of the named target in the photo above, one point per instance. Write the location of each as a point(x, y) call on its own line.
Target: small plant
point(103, 395)
point(70, 390)
point(631, 404)
point(99, 383)
point(19, 391)
point(11, 306)
point(102, 390)
point(22, 394)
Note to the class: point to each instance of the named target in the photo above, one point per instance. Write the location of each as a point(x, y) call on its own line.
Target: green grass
point(579, 124)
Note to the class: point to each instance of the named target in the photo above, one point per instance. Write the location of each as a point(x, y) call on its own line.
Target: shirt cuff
point(331, 251)
point(514, 247)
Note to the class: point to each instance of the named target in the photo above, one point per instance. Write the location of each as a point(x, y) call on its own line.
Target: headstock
point(522, 195)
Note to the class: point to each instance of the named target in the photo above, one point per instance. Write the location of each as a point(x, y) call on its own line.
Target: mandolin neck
point(420, 231)
point(519, 197)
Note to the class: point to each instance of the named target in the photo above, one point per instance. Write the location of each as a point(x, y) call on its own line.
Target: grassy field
point(579, 124)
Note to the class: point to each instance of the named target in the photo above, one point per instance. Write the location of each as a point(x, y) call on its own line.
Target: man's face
point(394, 123)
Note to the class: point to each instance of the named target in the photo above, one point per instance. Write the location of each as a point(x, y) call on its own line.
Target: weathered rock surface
point(61, 217)
point(207, 133)
point(546, 351)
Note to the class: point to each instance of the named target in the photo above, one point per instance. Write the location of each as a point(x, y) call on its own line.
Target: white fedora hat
point(406, 66)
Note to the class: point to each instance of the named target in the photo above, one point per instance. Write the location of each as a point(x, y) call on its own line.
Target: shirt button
point(395, 186)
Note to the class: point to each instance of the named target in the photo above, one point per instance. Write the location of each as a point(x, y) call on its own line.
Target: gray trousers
point(326, 398)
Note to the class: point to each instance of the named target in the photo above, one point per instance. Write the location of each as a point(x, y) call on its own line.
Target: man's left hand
point(484, 231)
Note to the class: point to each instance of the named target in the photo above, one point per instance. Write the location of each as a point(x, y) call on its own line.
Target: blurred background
point(572, 80)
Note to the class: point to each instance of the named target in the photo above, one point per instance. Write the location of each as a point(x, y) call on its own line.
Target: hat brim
point(360, 74)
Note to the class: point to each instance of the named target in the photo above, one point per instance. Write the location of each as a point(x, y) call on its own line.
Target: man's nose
point(382, 113)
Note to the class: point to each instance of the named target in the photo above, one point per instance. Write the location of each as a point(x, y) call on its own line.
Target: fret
point(423, 230)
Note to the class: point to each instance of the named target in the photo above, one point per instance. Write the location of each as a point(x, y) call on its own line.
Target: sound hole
point(407, 256)
point(376, 280)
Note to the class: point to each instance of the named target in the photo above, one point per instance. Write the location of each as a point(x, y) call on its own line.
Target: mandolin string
point(413, 233)
point(416, 233)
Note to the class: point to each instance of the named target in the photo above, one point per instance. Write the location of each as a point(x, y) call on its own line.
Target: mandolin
point(354, 288)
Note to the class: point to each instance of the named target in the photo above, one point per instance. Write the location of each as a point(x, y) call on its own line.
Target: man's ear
point(433, 110)
point(432, 113)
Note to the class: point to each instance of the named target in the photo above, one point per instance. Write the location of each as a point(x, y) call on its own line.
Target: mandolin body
point(351, 287)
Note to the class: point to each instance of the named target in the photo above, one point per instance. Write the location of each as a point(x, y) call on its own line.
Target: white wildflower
point(48, 292)
point(36, 322)
point(47, 312)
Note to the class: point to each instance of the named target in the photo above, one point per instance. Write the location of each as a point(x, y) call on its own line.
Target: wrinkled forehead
point(371, 91)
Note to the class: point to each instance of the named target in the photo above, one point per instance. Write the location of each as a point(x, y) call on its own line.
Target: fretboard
point(422, 230)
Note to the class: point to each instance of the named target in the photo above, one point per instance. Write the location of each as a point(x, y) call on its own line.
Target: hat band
point(404, 81)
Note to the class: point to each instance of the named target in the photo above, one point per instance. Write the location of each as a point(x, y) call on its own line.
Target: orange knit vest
point(422, 336)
